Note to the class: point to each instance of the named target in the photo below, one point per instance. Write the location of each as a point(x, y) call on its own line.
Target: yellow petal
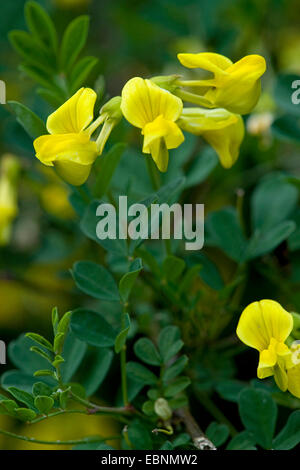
point(280, 376)
point(294, 381)
point(264, 372)
point(71, 154)
point(72, 172)
point(143, 101)
point(249, 68)
point(159, 136)
point(160, 154)
point(262, 321)
point(160, 127)
point(210, 61)
point(267, 358)
point(240, 89)
point(74, 115)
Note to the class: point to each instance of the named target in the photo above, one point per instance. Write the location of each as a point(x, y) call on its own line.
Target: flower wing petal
point(74, 115)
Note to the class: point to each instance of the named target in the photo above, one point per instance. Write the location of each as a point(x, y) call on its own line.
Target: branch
point(199, 439)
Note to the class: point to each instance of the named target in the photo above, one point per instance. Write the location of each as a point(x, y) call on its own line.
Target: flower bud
point(162, 409)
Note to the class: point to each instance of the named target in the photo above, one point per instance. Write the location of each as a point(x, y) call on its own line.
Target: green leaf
point(273, 201)
point(43, 403)
point(20, 354)
point(22, 397)
point(177, 386)
point(217, 433)
point(147, 352)
point(73, 41)
point(92, 328)
point(9, 406)
point(106, 168)
point(32, 124)
point(96, 369)
point(81, 71)
point(95, 280)
point(55, 319)
point(289, 436)
point(173, 268)
point(24, 414)
point(40, 388)
point(31, 51)
point(40, 340)
point(230, 389)
point(206, 269)
point(139, 436)
point(41, 25)
point(168, 342)
point(201, 167)
point(283, 93)
point(242, 441)
point(21, 380)
point(286, 128)
point(122, 336)
point(64, 322)
point(73, 354)
point(41, 353)
point(226, 233)
point(262, 243)
point(140, 373)
point(88, 226)
point(258, 413)
point(53, 97)
point(127, 281)
point(58, 342)
point(44, 373)
point(175, 369)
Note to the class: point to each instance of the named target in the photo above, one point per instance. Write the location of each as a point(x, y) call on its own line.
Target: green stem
point(56, 413)
point(100, 409)
point(53, 443)
point(123, 361)
point(153, 174)
point(192, 98)
point(155, 180)
point(216, 412)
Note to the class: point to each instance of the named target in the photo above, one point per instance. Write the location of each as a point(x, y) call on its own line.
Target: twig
point(199, 439)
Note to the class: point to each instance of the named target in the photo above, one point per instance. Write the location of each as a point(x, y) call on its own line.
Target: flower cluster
point(156, 107)
point(266, 326)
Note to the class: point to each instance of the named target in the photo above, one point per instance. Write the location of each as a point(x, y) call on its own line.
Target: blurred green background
point(140, 38)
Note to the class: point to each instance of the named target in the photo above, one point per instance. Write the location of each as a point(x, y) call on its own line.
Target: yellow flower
point(8, 196)
point(234, 86)
point(68, 147)
point(223, 130)
point(154, 110)
point(265, 326)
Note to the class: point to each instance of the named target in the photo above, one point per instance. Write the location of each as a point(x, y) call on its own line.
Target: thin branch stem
point(53, 443)
point(123, 362)
point(192, 427)
point(93, 408)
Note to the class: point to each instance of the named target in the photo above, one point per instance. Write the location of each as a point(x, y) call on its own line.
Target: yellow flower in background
point(223, 130)
point(69, 147)
point(265, 326)
point(154, 110)
point(8, 196)
point(234, 86)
